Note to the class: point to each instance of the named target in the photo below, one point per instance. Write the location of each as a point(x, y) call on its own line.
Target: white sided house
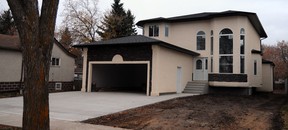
point(61, 75)
point(198, 53)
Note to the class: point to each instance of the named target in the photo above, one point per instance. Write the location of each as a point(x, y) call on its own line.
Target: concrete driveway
point(78, 106)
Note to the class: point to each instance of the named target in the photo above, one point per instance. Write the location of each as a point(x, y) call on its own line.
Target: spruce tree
point(117, 23)
point(7, 25)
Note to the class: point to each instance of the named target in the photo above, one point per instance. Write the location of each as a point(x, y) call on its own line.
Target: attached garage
point(136, 64)
point(125, 76)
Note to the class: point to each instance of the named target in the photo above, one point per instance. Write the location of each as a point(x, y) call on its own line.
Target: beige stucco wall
point(184, 34)
point(267, 78)
point(64, 72)
point(10, 66)
point(164, 70)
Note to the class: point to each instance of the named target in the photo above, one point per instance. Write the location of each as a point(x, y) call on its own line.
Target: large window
point(226, 51)
point(153, 31)
point(201, 40)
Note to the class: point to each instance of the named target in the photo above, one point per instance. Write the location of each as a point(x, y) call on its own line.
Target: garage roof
point(137, 39)
point(210, 15)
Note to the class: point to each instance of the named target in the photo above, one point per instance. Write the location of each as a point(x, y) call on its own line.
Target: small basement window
point(58, 86)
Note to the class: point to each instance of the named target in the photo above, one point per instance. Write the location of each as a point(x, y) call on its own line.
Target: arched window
point(200, 40)
point(226, 51)
point(199, 65)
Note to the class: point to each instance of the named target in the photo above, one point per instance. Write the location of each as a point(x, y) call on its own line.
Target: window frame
point(153, 31)
point(226, 32)
point(55, 61)
point(166, 30)
point(242, 50)
point(201, 41)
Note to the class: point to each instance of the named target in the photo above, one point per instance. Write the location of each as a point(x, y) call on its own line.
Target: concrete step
point(196, 87)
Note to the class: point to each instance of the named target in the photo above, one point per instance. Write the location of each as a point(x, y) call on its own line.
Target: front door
point(200, 69)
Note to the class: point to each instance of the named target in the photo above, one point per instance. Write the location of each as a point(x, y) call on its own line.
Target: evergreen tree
point(7, 25)
point(66, 37)
point(117, 23)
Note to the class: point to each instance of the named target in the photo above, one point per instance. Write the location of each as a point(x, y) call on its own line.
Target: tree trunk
point(36, 36)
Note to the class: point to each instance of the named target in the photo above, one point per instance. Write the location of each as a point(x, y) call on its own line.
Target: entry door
point(179, 79)
point(200, 69)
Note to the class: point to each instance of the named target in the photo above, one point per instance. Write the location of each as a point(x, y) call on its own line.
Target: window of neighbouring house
point(153, 31)
point(55, 61)
point(200, 40)
point(166, 30)
point(226, 51)
point(58, 86)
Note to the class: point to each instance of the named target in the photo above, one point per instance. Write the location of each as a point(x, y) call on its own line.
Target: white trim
point(58, 86)
point(84, 76)
point(90, 69)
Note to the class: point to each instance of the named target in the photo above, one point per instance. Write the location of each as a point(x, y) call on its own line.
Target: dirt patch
point(5, 127)
point(261, 111)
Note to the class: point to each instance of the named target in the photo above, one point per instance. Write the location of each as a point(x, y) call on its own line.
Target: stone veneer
point(15, 86)
point(228, 77)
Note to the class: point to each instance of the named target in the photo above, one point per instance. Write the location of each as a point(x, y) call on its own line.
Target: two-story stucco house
point(188, 53)
point(61, 75)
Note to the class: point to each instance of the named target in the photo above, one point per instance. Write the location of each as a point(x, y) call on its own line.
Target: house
point(199, 53)
point(61, 75)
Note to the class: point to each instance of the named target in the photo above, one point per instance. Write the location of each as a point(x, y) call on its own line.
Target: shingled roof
point(8, 42)
point(210, 15)
point(136, 40)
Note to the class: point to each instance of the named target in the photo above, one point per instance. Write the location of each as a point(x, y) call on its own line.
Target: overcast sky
point(273, 14)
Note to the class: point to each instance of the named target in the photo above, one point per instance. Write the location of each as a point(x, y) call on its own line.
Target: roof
point(210, 15)
point(136, 40)
point(267, 62)
point(9, 42)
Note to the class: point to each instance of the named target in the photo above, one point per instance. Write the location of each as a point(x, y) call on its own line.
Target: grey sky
point(273, 14)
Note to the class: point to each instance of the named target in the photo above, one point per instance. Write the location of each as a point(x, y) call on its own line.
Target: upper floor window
point(226, 51)
point(166, 31)
point(153, 31)
point(242, 41)
point(211, 42)
point(226, 42)
point(201, 40)
point(55, 61)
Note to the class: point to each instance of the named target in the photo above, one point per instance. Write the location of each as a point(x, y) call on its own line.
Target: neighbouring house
point(198, 53)
point(61, 75)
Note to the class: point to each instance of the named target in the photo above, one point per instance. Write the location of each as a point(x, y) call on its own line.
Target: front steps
point(196, 87)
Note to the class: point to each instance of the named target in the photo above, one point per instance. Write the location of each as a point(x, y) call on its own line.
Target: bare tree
point(279, 55)
point(82, 17)
point(36, 32)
